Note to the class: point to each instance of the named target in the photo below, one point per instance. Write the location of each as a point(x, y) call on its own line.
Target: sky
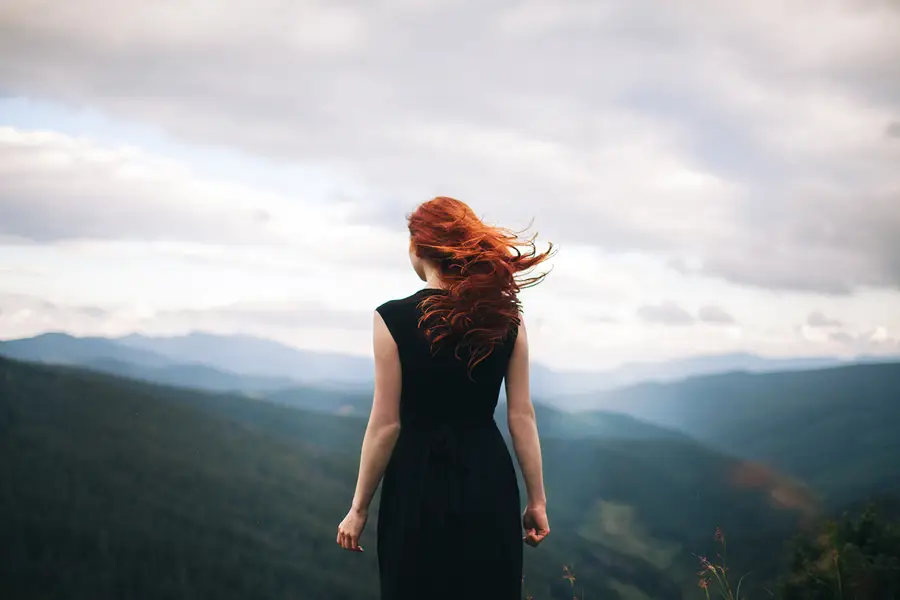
point(718, 177)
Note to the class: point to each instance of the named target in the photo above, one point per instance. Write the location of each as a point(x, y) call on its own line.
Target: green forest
point(116, 488)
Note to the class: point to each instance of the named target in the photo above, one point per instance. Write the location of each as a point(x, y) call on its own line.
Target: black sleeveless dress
point(449, 524)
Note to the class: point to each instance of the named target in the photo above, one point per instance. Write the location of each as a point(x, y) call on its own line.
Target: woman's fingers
point(533, 537)
point(348, 541)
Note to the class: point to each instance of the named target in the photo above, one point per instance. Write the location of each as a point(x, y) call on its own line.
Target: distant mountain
point(705, 365)
point(559, 385)
point(186, 494)
point(64, 349)
point(249, 355)
point(834, 428)
point(260, 358)
point(111, 356)
point(194, 376)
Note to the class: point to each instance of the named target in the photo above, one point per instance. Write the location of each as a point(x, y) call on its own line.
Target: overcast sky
point(718, 176)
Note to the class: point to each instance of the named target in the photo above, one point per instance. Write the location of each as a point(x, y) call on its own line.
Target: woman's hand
point(536, 525)
point(351, 529)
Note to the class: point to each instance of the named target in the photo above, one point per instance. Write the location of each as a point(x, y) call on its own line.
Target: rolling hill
point(115, 489)
point(119, 488)
point(834, 428)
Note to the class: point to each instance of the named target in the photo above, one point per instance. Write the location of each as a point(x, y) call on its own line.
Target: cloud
point(285, 315)
point(22, 315)
point(56, 188)
point(811, 237)
point(818, 319)
point(841, 337)
point(658, 128)
point(715, 315)
point(876, 341)
point(19, 271)
point(293, 322)
point(667, 313)
point(595, 319)
point(893, 130)
point(671, 313)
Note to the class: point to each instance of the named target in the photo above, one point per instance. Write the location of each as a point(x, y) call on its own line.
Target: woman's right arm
point(524, 432)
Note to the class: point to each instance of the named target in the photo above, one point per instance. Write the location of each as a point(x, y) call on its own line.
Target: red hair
point(480, 265)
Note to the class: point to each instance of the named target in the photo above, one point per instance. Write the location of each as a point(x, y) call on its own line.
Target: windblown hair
point(481, 268)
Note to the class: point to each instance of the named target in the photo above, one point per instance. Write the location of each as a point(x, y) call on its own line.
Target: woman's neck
point(433, 279)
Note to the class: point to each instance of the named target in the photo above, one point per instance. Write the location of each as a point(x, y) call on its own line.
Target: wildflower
point(720, 535)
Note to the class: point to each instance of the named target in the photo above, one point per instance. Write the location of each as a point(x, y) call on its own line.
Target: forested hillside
point(120, 488)
point(834, 428)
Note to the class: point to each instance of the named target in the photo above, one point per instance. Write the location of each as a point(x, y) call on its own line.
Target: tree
point(853, 558)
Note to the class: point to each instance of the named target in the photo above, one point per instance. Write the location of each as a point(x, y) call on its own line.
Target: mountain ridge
point(252, 357)
point(833, 428)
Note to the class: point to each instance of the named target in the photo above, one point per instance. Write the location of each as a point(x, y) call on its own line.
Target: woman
point(448, 523)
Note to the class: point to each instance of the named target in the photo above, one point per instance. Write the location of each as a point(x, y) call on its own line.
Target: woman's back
point(450, 500)
point(437, 385)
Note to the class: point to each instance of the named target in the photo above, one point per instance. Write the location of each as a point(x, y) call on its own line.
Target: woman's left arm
point(381, 433)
